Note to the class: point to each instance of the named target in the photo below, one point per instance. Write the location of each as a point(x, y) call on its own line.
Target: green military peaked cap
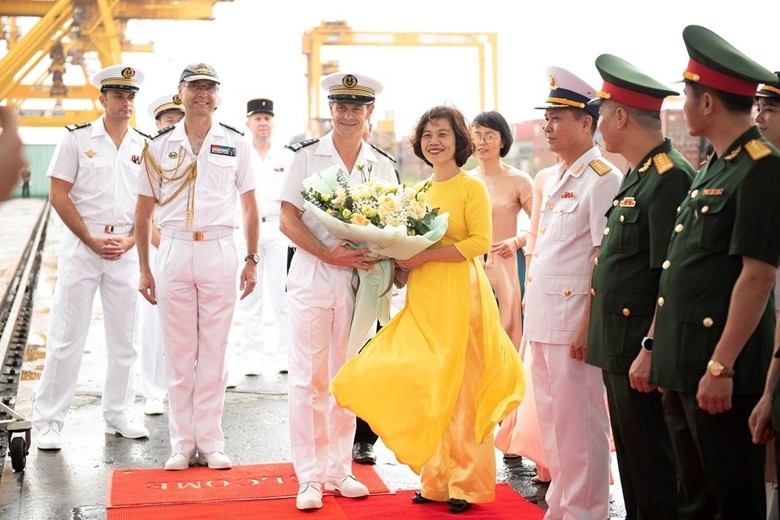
point(770, 91)
point(627, 85)
point(716, 63)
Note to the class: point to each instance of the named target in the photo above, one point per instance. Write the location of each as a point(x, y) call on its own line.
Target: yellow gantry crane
point(66, 31)
point(339, 33)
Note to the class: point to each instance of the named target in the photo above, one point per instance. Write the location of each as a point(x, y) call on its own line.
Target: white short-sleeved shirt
point(572, 220)
point(104, 178)
point(314, 158)
point(224, 171)
point(269, 173)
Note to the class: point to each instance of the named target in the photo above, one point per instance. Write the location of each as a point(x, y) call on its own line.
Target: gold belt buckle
point(197, 235)
point(108, 229)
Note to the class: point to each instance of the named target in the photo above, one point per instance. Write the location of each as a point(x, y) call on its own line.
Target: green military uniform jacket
point(733, 211)
point(625, 278)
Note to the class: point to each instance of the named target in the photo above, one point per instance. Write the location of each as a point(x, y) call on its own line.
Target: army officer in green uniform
point(625, 282)
point(715, 318)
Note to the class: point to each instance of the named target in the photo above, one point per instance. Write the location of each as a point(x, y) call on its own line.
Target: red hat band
point(631, 98)
point(700, 73)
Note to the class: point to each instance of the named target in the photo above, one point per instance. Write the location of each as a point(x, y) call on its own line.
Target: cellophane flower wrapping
point(393, 221)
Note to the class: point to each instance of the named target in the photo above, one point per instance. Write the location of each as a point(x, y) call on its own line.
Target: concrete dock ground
point(71, 483)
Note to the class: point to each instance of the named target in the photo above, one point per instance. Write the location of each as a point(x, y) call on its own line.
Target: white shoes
point(218, 460)
point(153, 406)
point(309, 495)
point(179, 461)
point(127, 428)
point(347, 485)
point(49, 437)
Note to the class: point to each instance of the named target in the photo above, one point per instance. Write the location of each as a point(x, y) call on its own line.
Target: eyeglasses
point(211, 88)
point(487, 138)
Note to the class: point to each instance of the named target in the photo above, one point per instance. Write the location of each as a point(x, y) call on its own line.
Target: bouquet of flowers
point(392, 221)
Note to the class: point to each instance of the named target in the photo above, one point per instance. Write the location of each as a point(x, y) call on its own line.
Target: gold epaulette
point(600, 167)
point(757, 149)
point(663, 163)
point(76, 127)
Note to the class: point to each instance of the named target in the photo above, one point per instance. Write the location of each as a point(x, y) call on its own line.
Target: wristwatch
point(716, 369)
point(647, 343)
point(253, 257)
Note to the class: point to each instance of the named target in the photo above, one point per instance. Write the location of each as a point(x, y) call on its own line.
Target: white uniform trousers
point(196, 296)
point(149, 337)
point(271, 276)
point(320, 300)
point(80, 273)
point(574, 424)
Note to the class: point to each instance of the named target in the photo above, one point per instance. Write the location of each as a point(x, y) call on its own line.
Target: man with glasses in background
point(193, 172)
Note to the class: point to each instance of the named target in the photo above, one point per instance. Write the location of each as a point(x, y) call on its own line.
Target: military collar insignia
point(578, 170)
point(731, 156)
point(645, 166)
point(663, 163)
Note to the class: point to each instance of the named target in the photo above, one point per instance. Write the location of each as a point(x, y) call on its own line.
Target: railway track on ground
point(16, 307)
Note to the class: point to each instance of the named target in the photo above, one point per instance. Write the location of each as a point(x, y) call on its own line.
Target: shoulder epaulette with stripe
point(663, 163)
point(757, 149)
point(302, 144)
point(76, 127)
point(599, 167)
point(163, 131)
point(143, 134)
point(382, 152)
point(231, 128)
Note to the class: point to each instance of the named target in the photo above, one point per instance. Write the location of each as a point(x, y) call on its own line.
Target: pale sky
point(256, 48)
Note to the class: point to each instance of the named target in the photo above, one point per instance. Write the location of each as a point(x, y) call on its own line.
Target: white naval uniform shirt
point(104, 178)
point(318, 156)
point(572, 222)
point(269, 173)
point(224, 167)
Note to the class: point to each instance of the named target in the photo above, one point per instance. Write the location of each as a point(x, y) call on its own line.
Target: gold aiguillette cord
point(159, 176)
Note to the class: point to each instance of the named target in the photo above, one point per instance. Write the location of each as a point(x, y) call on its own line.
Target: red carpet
point(509, 505)
point(143, 487)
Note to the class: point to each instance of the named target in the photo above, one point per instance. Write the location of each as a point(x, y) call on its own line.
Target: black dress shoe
point(363, 453)
point(419, 499)
point(457, 505)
